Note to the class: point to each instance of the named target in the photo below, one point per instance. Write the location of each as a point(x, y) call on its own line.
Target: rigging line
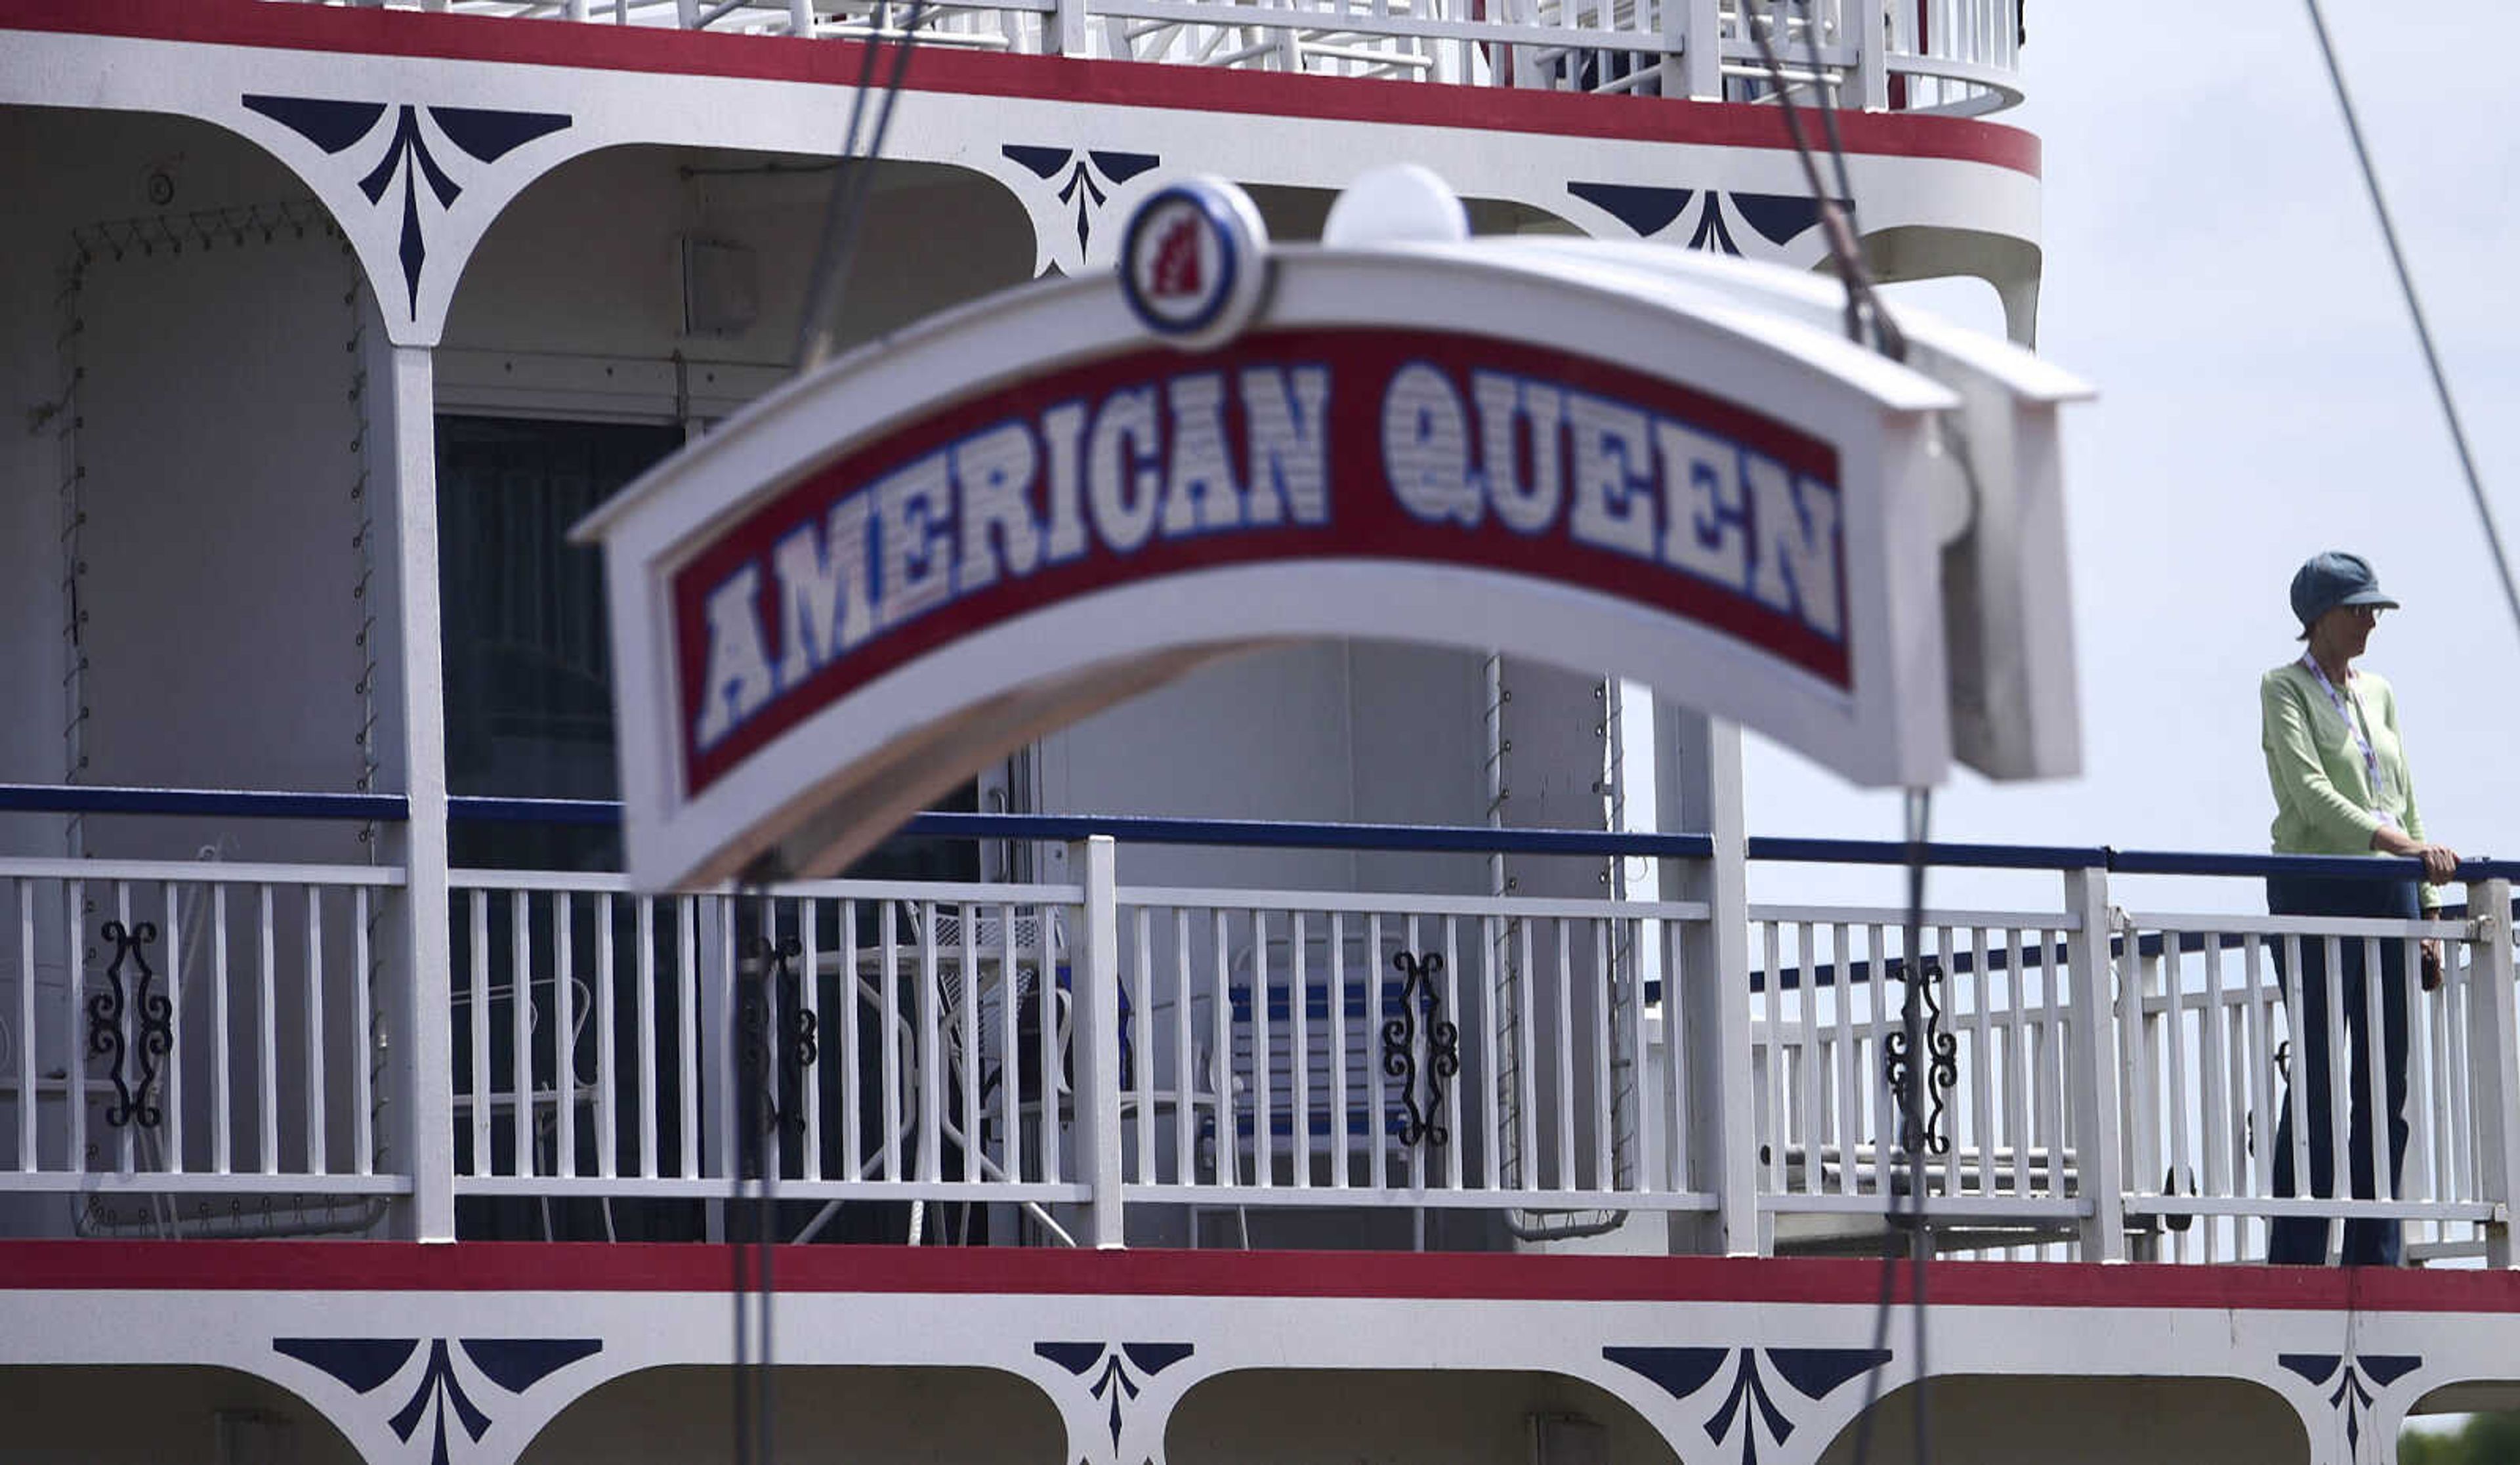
point(2416, 310)
point(846, 211)
point(1864, 307)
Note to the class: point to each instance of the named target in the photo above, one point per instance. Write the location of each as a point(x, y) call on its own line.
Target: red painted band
point(1106, 83)
point(629, 1268)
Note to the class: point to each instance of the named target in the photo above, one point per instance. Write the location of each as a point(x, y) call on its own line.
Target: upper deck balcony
point(1955, 58)
point(219, 1050)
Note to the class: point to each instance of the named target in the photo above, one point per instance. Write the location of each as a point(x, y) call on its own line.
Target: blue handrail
point(1278, 834)
point(226, 803)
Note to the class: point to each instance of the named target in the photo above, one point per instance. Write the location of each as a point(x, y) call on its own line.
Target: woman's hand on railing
point(2441, 862)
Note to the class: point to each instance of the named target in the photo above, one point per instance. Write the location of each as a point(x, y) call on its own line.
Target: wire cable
point(818, 324)
point(2415, 311)
point(1869, 322)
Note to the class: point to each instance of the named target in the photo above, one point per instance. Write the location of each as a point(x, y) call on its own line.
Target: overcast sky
point(2213, 266)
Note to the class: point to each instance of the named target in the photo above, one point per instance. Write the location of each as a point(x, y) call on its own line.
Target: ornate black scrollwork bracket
point(135, 1092)
point(774, 1004)
point(1921, 1104)
point(1422, 1123)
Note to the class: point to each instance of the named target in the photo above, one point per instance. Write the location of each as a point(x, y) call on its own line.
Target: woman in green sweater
point(2341, 786)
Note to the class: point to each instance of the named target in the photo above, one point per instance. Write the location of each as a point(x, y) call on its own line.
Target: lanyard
point(2354, 723)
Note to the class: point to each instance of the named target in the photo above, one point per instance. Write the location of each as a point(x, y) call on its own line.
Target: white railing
point(2209, 1051)
point(1955, 57)
point(1305, 1049)
point(2001, 1157)
point(195, 1048)
point(903, 1028)
point(1097, 1063)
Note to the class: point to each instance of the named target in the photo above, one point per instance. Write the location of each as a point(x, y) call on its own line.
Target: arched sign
point(950, 543)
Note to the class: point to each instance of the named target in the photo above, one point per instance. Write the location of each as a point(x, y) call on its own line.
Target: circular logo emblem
point(1193, 263)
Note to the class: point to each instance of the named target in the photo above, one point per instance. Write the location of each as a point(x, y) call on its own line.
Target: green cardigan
point(2323, 802)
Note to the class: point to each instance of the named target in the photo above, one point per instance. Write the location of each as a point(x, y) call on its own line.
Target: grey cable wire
point(2415, 311)
point(818, 325)
point(1866, 316)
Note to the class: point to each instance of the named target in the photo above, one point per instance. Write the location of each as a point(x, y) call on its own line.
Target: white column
point(2098, 1168)
point(2493, 1060)
point(1697, 771)
point(1095, 1034)
point(1871, 28)
point(423, 1060)
point(1702, 56)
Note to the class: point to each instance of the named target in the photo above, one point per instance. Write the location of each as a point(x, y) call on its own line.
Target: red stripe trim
point(596, 47)
point(529, 1266)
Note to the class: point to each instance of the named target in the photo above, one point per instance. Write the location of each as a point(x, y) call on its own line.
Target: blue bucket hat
point(2335, 579)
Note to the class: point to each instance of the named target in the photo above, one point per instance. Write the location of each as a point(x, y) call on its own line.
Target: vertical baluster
point(1138, 1043)
point(1264, 1059)
point(363, 1099)
point(478, 918)
point(687, 1032)
point(1009, 1081)
point(73, 1022)
point(1452, 1085)
point(2296, 1089)
point(644, 998)
point(2375, 1065)
point(1631, 987)
point(1483, 1051)
point(1563, 989)
point(1601, 1090)
point(173, 1093)
point(1220, 1017)
point(1675, 1076)
point(1885, 1017)
point(2016, 1076)
point(1046, 993)
point(1811, 1063)
point(2178, 1175)
point(2053, 1068)
point(222, 1099)
point(564, 1039)
point(2260, 1068)
point(267, 1044)
point(852, 997)
point(1980, 1068)
point(317, 1125)
point(890, 1023)
point(1335, 1015)
point(1299, 1031)
point(2340, 1074)
point(1187, 1076)
point(1526, 1061)
point(520, 1025)
point(2213, 1043)
point(28, 1068)
point(1379, 1114)
point(608, 1073)
point(966, 1012)
point(2448, 1130)
point(1843, 1060)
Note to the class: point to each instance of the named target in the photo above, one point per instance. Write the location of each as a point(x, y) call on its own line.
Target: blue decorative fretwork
point(1751, 1404)
point(1114, 1372)
point(437, 1394)
point(2357, 1381)
point(338, 126)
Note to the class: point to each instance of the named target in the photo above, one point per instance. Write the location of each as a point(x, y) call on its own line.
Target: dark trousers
point(2303, 1240)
